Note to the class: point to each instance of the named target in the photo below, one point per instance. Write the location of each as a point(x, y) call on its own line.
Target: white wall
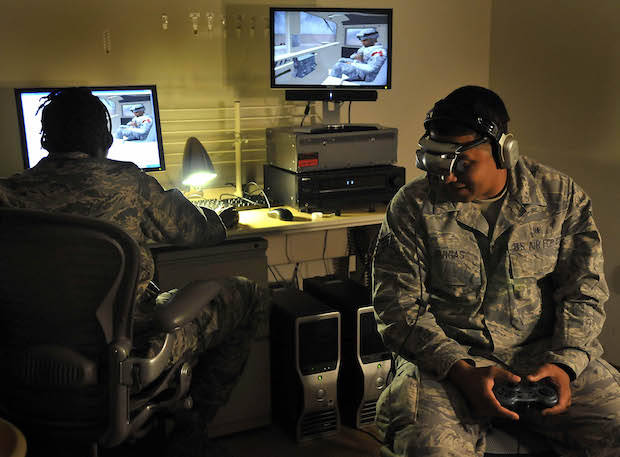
point(557, 66)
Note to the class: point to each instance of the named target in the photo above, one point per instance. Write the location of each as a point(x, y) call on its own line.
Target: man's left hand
point(560, 379)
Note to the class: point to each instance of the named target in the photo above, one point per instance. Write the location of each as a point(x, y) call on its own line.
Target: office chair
point(67, 292)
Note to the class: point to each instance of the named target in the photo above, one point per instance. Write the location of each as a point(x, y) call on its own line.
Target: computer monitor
point(331, 48)
point(134, 112)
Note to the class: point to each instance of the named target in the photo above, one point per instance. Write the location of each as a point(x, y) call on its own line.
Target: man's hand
point(359, 57)
point(560, 379)
point(477, 386)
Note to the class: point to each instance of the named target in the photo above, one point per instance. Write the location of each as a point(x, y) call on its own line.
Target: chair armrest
point(139, 371)
point(185, 305)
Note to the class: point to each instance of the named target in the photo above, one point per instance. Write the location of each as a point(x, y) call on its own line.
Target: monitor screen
point(372, 348)
point(318, 345)
point(134, 113)
point(331, 47)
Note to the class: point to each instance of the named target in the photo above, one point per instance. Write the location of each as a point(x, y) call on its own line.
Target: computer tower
point(366, 362)
point(305, 359)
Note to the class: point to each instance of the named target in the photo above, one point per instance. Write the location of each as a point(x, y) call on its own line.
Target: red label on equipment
point(308, 163)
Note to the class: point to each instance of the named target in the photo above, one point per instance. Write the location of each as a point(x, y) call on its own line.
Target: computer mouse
point(280, 213)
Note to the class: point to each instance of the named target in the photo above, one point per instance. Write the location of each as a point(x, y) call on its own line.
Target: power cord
point(260, 189)
point(306, 111)
point(323, 256)
point(282, 280)
point(194, 195)
point(350, 101)
point(279, 274)
point(354, 244)
point(297, 275)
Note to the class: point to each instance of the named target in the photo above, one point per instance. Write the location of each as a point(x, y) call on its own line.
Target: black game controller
point(539, 395)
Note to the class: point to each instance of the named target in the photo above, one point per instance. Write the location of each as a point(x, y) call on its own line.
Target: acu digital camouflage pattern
point(421, 416)
point(117, 192)
point(121, 193)
point(222, 335)
point(531, 292)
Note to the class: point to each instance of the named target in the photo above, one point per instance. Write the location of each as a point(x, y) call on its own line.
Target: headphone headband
point(444, 111)
point(504, 145)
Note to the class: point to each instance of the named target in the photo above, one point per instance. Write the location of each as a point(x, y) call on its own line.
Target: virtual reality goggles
point(441, 159)
point(367, 33)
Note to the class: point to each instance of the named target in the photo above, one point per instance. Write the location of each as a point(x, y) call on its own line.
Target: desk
point(245, 253)
point(255, 222)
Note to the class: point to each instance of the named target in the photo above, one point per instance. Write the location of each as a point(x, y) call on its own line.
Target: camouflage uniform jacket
point(532, 293)
point(117, 192)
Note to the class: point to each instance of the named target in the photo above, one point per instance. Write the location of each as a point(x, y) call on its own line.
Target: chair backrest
point(67, 290)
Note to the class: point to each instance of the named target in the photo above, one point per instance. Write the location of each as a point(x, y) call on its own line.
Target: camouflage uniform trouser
point(222, 335)
point(129, 135)
point(422, 417)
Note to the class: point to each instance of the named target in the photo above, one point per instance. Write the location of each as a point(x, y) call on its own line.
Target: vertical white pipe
point(237, 115)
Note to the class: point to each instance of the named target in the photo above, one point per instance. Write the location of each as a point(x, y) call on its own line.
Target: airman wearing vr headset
point(490, 270)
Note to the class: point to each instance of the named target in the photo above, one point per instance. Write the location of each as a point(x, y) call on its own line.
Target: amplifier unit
point(327, 147)
point(333, 189)
point(305, 359)
point(366, 362)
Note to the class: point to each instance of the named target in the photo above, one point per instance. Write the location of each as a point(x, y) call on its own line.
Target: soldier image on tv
point(366, 62)
point(138, 128)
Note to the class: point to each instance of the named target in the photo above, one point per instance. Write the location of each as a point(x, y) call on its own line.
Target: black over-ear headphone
point(504, 145)
point(108, 140)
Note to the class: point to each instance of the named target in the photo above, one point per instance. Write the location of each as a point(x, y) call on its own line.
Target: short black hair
point(73, 119)
point(451, 114)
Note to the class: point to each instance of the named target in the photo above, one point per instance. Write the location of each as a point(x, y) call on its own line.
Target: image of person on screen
point(139, 127)
point(365, 64)
point(78, 178)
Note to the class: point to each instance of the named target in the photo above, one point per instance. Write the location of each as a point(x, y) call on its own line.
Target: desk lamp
point(197, 166)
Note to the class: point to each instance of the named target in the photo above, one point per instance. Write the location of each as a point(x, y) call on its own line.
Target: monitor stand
point(331, 116)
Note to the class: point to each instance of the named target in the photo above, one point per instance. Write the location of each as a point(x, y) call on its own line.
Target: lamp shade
point(197, 166)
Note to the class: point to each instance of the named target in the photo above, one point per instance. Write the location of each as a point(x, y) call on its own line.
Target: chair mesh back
point(56, 271)
point(51, 287)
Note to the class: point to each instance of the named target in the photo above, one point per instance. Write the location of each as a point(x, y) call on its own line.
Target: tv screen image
point(319, 48)
point(134, 113)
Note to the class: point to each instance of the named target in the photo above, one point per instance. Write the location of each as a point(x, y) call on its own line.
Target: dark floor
point(265, 442)
point(273, 442)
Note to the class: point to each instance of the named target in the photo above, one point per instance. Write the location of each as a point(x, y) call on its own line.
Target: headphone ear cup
point(507, 152)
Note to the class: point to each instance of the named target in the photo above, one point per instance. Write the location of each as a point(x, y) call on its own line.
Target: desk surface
point(256, 222)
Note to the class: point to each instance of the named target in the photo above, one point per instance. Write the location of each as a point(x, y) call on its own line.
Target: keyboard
point(241, 204)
